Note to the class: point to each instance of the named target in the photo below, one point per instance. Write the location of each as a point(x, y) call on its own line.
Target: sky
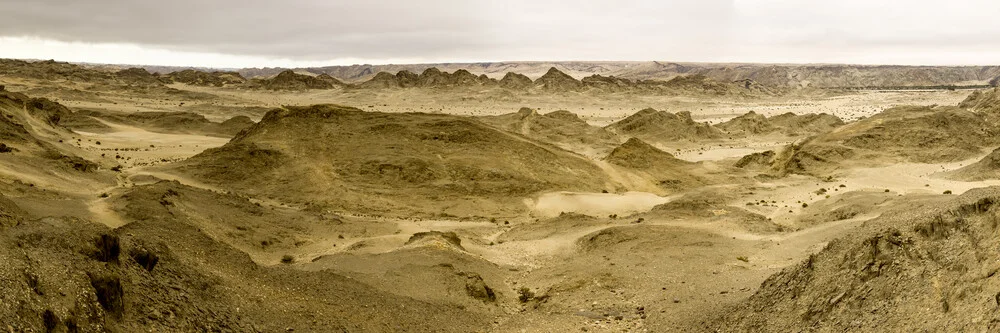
point(310, 33)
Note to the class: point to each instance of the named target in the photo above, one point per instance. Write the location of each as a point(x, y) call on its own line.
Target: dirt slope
point(160, 122)
point(659, 126)
point(562, 128)
point(790, 124)
point(159, 272)
point(388, 163)
point(925, 268)
point(913, 134)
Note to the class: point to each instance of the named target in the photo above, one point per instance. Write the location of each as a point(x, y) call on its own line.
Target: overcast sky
point(299, 33)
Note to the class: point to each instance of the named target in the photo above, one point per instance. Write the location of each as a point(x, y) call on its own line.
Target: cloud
point(380, 31)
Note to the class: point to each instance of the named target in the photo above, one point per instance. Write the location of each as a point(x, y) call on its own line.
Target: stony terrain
point(516, 197)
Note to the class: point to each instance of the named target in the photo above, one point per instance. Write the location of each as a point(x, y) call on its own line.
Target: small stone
point(677, 300)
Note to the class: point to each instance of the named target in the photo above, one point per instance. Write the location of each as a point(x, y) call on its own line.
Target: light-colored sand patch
point(595, 204)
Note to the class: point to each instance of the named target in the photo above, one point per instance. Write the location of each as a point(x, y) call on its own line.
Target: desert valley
point(499, 197)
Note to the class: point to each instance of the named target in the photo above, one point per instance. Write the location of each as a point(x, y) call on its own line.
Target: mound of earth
point(557, 81)
point(389, 163)
point(432, 77)
point(289, 80)
point(657, 166)
point(903, 134)
point(515, 81)
point(608, 83)
point(429, 78)
point(919, 269)
point(52, 71)
point(844, 206)
point(756, 160)
point(545, 229)
point(29, 131)
point(751, 123)
point(436, 237)
point(637, 154)
point(138, 77)
point(986, 168)
point(213, 79)
point(429, 274)
point(263, 233)
point(562, 128)
point(701, 84)
point(713, 205)
point(810, 123)
point(986, 102)
point(162, 122)
point(161, 273)
point(789, 123)
point(661, 126)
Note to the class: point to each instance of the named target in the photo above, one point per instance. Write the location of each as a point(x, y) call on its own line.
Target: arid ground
point(195, 201)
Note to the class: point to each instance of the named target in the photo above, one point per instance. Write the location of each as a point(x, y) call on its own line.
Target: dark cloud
point(294, 29)
point(920, 31)
point(320, 29)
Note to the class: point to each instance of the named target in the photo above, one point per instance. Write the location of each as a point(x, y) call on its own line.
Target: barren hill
point(562, 128)
point(388, 163)
point(773, 75)
point(912, 270)
point(200, 78)
point(429, 78)
point(161, 122)
point(657, 126)
point(753, 123)
point(986, 102)
point(163, 272)
point(911, 134)
point(557, 81)
point(986, 168)
point(656, 166)
point(289, 80)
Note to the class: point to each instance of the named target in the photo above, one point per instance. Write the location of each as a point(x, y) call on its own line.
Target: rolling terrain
point(511, 197)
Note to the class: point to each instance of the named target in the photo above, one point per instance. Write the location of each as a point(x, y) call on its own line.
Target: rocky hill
point(986, 102)
point(200, 78)
point(161, 122)
point(389, 163)
point(986, 168)
point(289, 80)
point(557, 81)
point(902, 134)
point(657, 126)
point(429, 78)
point(753, 123)
point(912, 270)
point(164, 272)
point(562, 128)
point(771, 75)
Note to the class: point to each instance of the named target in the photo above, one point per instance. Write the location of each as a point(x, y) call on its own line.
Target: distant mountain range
point(775, 75)
point(771, 75)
